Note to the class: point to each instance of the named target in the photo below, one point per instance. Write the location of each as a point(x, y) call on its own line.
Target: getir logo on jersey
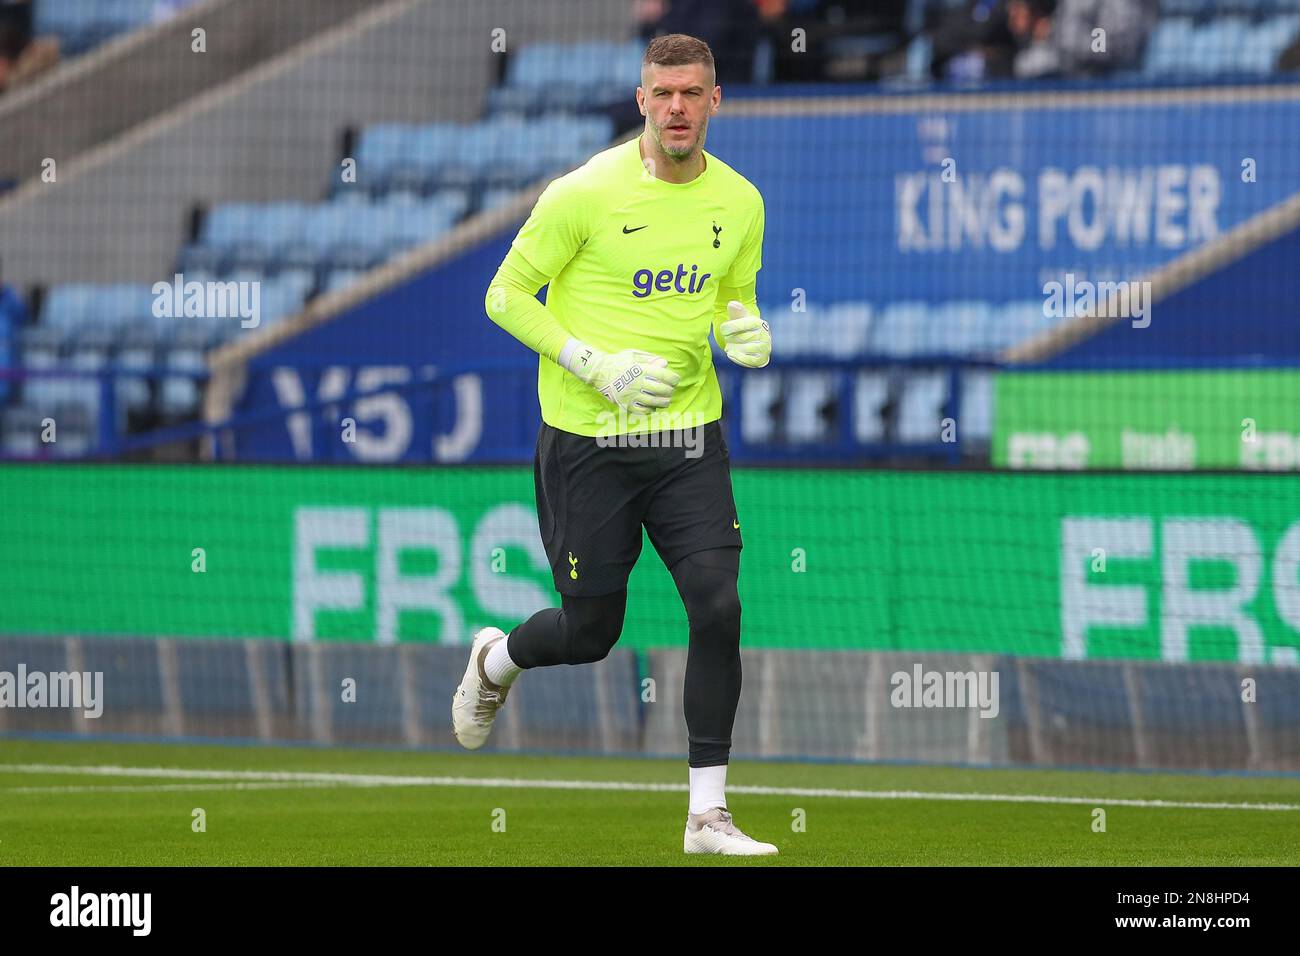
point(646, 281)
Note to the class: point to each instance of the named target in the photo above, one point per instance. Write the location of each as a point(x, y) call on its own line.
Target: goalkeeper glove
point(635, 381)
point(748, 338)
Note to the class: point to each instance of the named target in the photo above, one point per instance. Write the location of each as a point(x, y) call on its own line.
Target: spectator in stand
point(778, 19)
point(1125, 26)
point(729, 27)
point(1030, 22)
point(972, 43)
point(1288, 61)
point(13, 316)
point(21, 56)
point(1061, 38)
point(15, 34)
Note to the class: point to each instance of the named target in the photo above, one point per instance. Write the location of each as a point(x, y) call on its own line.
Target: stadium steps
point(123, 84)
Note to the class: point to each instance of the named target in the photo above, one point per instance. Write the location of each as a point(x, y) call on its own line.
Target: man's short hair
point(678, 49)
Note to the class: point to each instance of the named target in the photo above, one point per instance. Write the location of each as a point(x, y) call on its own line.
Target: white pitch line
point(168, 787)
point(390, 780)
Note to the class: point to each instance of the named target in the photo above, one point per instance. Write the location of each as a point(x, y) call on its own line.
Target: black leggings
point(584, 630)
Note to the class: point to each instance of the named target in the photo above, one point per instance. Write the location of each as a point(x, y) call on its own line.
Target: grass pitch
point(88, 804)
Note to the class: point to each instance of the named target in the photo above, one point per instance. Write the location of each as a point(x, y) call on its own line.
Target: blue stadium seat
point(762, 389)
point(515, 101)
point(1186, 8)
point(179, 395)
point(870, 393)
point(74, 22)
point(366, 239)
point(51, 394)
point(301, 281)
point(557, 140)
point(40, 346)
point(595, 131)
point(75, 422)
point(328, 225)
point(381, 148)
point(132, 391)
point(350, 195)
point(428, 149)
point(901, 330)
point(1215, 46)
point(844, 330)
point(1168, 48)
point(416, 224)
point(283, 222)
point(91, 349)
point(341, 279)
point(119, 16)
point(920, 407)
point(228, 223)
point(20, 430)
point(1016, 322)
point(60, 16)
point(494, 197)
point(589, 62)
point(800, 335)
point(507, 176)
point(976, 413)
point(1280, 32)
point(271, 232)
point(199, 257)
point(125, 304)
point(536, 65)
point(455, 201)
point(197, 334)
point(1257, 54)
point(68, 307)
point(806, 394)
point(280, 299)
point(554, 77)
point(625, 63)
point(567, 98)
point(958, 328)
point(261, 257)
point(503, 139)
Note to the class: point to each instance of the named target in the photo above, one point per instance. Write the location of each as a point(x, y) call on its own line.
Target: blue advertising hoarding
point(980, 199)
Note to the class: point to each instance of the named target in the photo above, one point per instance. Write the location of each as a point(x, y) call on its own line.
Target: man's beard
point(679, 152)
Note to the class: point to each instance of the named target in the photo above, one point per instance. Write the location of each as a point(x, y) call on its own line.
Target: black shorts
point(592, 502)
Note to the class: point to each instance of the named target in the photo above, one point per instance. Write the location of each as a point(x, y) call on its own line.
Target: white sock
point(708, 786)
point(500, 668)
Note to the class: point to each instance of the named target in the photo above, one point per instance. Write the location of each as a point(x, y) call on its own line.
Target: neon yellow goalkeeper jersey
point(632, 262)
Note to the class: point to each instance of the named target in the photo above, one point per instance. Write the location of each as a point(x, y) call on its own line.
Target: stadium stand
point(417, 182)
point(82, 25)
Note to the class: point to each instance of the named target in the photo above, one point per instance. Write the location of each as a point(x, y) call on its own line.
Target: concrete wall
point(796, 704)
point(95, 97)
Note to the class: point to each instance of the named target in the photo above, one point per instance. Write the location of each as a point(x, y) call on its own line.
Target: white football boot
point(475, 704)
point(713, 832)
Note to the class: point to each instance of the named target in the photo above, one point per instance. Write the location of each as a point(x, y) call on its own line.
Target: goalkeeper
point(645, 248)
